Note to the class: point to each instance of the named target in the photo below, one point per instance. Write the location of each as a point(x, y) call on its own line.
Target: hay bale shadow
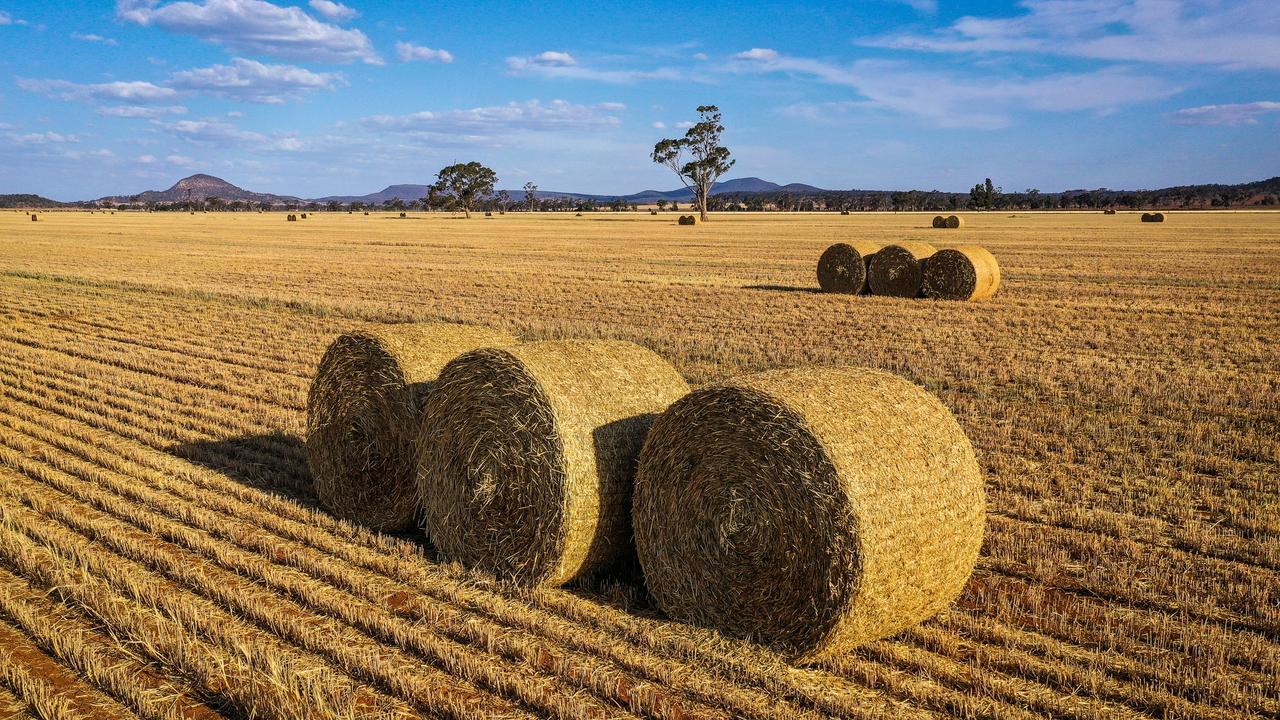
point(275, 462)
point(783, 288)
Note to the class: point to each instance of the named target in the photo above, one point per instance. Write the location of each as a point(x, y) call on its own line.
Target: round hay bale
point(527, 454)
point(939, 221)
point(965, 272)
point(844, 212)
point(34, 218)
point(842, 268)
point(688, 220)
point(813, 509)
point(1152, 217)
point(1109, 211)
point(895, 270)
point(954, 221)
point(363, 414)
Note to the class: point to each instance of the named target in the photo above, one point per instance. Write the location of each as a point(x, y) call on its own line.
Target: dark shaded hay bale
point(896, 270)
point(653, 212)
point(364, 411)
point(842, 268)
point(403, 215)
point(965, 272)
point(1152, 217)
point(812, 510)
point(34, 218)
point(488, 214)
point(954, 222)
point(844, 212)
point(1109, 211)
point(687, 220)
point(291, 218)
point(527, 455)
point(939, 221)
point(303, 216)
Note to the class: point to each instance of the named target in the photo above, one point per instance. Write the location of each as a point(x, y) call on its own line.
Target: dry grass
point(157, 520)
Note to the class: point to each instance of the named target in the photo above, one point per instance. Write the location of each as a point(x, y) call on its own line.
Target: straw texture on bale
point(965, 272)
point(1152, 217)
point(363, 414)
point(896, 270)
point(688, 220)
point(954, 221)
point(527, 455)
point(842, 268)
point(939, 221)
point(812, 510)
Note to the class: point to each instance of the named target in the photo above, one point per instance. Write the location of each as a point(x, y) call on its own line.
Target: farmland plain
point(161, 553)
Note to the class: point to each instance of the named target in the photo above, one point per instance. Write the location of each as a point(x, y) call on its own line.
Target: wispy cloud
point(494, 120)
point(94, 38)
point(256, 82)
point(952, 100)
point(556, 64)
point(254, 26)
point(1238, 34)
point(7, 19)
point(1230, 114)
point(135, 91)
point(141, 111)
point(44, 138)
point(408, 52)
point(334, 11)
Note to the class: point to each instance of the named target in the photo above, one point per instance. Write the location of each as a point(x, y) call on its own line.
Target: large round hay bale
point(895, 270)
point(527, 455)
point(812, 510)
point(939, 221)
point(965, 272)
point(363, 414)
point(688, 220)
point(842, 268)
point(954, 221)
point(1152, 217)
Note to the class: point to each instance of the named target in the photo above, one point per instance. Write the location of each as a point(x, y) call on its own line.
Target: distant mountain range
point(739, 185)
point(201, 187)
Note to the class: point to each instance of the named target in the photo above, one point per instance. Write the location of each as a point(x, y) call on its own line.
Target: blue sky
point(318, 97)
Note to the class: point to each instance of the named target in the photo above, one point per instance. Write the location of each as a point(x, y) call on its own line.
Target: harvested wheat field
point(163, 554)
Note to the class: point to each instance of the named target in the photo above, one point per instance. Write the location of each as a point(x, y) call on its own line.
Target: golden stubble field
point(161, 554)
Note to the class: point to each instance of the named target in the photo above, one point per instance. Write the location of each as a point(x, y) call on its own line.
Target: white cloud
point(659, 125)
point(141, 111)
point(146, 159)
point(135, 91)
point(7, 19)
point(685, 124)
point(252, 81)
point(483, 122)
point(179, 160)
point(554, 64)
point(951, 100)
point(701, 56)
point(408, 52)
point(333, 10)
point(44, 138)
point(211, 132)
point(1233, 114)
point(923, 6)
point(254, 26)
point(764, 54)
point(91, 37)
point(1230, 33)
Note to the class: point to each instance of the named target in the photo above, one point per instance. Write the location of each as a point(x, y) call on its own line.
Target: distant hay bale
point(842, 268)
point(895, 270)
point(527, 455)
point(1109, 211)
point(488, 213)
point(939, 221)
point(688, 220)
point(844, 212)
point(34, 218)
point(653, 212)
point(966, 272)
point(403, 215)
point(291, 218)
point(813, 510)
point(364, 411)
point(303, 216)
point(954, 222)
point(1152, 217)
point(366, 212)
